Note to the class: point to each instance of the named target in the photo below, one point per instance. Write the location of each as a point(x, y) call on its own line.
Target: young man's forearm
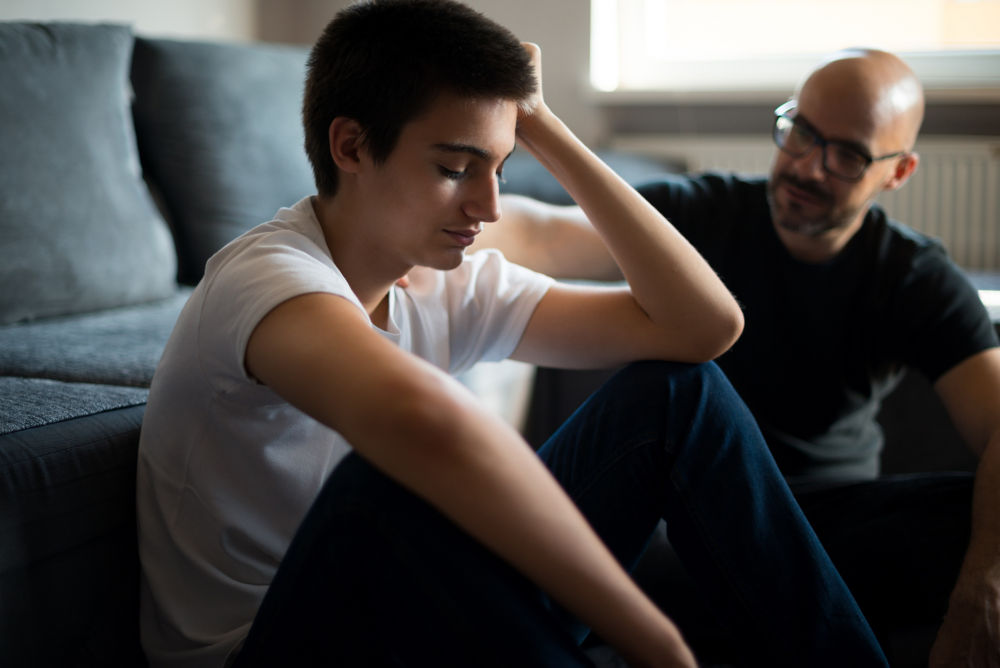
point(669, 279)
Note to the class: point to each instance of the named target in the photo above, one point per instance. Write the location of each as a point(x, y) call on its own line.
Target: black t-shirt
point(824, 343)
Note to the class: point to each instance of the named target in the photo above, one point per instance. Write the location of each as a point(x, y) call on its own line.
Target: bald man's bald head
point(876, 82)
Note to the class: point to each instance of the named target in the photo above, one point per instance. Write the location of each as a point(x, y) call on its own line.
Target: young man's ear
point(905, 166)
point(345, 136)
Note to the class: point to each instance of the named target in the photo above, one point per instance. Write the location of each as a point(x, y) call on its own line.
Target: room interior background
point(955, 195)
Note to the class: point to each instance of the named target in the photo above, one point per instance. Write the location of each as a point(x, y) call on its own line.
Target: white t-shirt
point(227, 469)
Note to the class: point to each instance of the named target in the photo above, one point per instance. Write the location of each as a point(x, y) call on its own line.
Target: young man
point(432, 542)
point(839, 300)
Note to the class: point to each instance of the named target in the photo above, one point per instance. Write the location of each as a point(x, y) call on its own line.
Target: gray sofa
point(126, 162)
point(97, 257)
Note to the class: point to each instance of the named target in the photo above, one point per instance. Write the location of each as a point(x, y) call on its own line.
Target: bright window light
point(604, 44)
point(714, 45)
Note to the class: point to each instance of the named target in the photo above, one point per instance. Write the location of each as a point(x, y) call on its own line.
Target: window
point(706, 46)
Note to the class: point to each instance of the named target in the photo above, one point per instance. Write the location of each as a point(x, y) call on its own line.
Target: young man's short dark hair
point(381, 62)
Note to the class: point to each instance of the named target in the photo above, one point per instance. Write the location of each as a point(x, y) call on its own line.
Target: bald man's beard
point(795, 217)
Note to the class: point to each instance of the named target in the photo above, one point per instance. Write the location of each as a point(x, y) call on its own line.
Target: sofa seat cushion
point(220, 132)
point(80, 230)
point(68, 556)
point(114, 347)
point(26, 403)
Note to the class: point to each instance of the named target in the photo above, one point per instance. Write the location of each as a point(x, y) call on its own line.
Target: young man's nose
point(483, 203)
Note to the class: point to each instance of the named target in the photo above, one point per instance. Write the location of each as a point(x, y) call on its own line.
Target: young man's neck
point(370, 285)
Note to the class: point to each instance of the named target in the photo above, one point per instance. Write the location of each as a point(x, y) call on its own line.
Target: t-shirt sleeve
point(247, 281)
point(490, 302)
point(947, 321)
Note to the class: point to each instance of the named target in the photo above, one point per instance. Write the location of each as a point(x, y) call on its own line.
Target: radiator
point(953, 196)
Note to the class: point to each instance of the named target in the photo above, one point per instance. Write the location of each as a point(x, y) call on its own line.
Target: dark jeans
point(897, 541)
point(376, 577)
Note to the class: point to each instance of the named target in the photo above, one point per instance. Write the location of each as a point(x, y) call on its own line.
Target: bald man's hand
point(970, 634)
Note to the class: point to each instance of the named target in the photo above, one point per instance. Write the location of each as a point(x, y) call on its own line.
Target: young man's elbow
point(714, 337)
point(733, 326)
point(729, 329)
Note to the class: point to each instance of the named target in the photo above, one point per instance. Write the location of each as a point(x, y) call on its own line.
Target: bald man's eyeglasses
point(840, 159)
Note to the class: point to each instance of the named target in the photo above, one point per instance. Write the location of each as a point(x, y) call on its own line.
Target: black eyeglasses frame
point(782, 112)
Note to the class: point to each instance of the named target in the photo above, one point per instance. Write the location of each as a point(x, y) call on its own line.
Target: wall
point(561, 27)
point(943, 117)
point(231, 20)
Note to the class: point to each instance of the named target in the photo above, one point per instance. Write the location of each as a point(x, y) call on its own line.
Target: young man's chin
point(446, 261)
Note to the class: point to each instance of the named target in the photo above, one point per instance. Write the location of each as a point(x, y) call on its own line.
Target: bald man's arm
point(970, 634)
point(554, 240)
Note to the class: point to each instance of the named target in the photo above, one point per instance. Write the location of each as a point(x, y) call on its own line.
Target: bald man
point(838, 301)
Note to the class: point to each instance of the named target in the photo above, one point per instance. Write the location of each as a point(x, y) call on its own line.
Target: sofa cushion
point(69, 566)
point(220, 132)
point(115, 347)
point(26, 403)
point(80, 231)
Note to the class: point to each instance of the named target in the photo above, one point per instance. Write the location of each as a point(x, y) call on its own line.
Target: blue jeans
point(897, 541)
point(377, 577)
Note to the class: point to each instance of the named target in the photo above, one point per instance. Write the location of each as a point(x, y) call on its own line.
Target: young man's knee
point(683, 391)
point(669, 378)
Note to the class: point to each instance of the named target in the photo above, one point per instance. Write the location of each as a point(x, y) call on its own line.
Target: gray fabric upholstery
point(78, 228)
point(35, 402)
point(69, 568)
point(113, 347)
point(220, 132)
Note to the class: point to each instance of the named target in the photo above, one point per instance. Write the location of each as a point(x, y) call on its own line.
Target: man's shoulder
point(711, 208)
point(901, 231)
point(709, 184)
point(894, 244)
point(929, 306)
